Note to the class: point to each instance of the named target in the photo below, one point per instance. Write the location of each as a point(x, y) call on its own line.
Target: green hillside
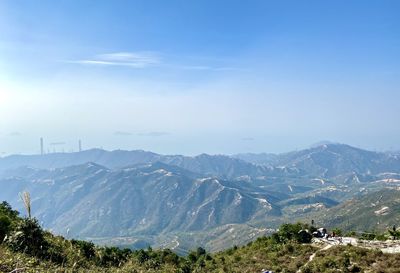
point(378, 211)
point(26, 247)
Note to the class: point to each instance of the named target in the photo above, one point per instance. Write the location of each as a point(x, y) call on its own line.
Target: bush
point(192, 257)
point(55, 253)
point(351, 234)
point(200, 251)
point(142, 256)
point(87, 249)
point(337, 231)
point(368, 236)
point(303, 237)
point(185, 268)
point(395, 234)
point(381, 237)
point(113, 256)
point(8, 217)
point(195, 256)
point(5, 224)
point(292, 232)
point(6, 210)
point(167, 256)
point(28, 237)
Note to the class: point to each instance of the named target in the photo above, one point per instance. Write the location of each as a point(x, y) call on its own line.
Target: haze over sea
point(193, 77)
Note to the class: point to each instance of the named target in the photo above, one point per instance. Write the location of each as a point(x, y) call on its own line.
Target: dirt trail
point(313, 256)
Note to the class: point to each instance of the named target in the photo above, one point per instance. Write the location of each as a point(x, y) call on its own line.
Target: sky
point(190, 77)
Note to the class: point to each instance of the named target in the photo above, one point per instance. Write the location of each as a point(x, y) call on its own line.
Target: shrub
point(368, 236)
point(142, 256)
point(113, 256)
point(192, 257)
point(28, 237)
point(351, 234)
point(87, 249)
point(8, 217)
point(200, 251)
point(394, 233)
point(185, 268)
point(167, 256)
point(195, 256)
point(54, 253)
point(5, 209)
point(303, 237)
point(5, 224)
point(292, 232)
point(381, 237)
point(337, 231)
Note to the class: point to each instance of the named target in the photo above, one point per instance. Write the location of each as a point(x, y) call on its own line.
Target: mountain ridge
point(101, 194)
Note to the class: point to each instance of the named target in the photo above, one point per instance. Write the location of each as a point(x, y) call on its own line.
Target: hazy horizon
point(61, 148)
point(198, 77)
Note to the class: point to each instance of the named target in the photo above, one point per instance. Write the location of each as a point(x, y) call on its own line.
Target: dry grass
point(26, 199)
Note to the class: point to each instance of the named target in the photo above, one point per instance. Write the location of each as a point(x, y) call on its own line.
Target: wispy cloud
point(130, 59)
point(143, 59)
point(247, 139)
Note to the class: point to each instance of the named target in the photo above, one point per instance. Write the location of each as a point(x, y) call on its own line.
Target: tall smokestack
point(41, 146)
point(80, 146)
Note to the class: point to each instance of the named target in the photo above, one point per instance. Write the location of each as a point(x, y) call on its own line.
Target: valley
point(135, 198)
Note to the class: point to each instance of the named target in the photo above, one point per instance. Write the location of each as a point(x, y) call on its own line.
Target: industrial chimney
point(41, 146)
point(80, 146)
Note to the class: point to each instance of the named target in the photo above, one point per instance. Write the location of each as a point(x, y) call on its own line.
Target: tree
point(292, 232)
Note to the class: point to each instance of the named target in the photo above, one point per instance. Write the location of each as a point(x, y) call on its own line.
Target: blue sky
point(198, 76)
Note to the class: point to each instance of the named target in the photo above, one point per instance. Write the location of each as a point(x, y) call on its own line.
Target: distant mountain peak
point(324, 143)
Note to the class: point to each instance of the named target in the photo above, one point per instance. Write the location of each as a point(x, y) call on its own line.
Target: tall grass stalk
point(26, 199)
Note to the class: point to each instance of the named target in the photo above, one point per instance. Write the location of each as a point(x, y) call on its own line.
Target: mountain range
point(136, 198)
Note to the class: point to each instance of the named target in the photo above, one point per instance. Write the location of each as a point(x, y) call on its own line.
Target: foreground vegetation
point(28, 248)
point(353, 259)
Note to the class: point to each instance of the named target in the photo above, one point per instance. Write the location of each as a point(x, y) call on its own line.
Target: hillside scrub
point(8, 217)
point(354, 259)
point(29, 248)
